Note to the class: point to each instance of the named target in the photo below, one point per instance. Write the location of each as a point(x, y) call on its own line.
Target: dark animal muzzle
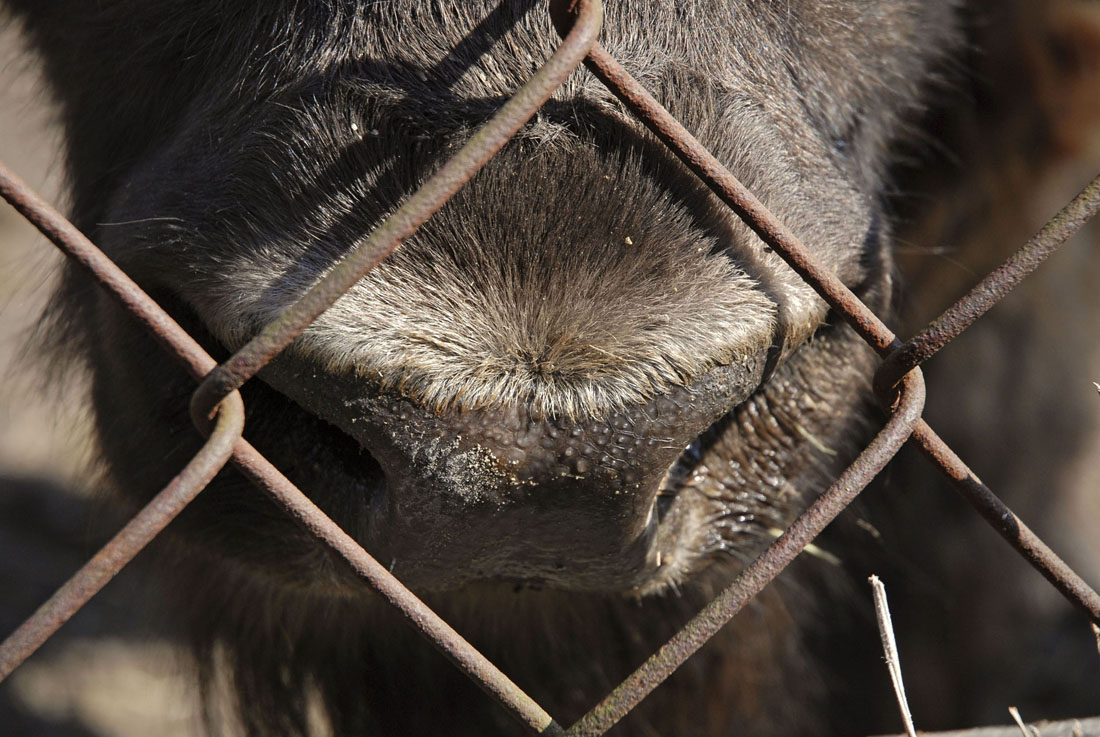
point(497, 494)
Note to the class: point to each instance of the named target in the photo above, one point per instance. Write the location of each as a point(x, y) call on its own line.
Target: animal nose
point(494, 493)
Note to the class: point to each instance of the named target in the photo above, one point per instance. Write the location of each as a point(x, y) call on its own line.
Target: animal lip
point(680, 516)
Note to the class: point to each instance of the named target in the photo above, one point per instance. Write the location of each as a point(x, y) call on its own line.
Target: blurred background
point(1013, 132)
point(1013, 135)
point(108, 672)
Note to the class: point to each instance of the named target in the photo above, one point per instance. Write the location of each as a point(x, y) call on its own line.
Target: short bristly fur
point(499, 408)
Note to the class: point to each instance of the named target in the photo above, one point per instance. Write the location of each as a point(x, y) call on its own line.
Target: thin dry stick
point(1095, 626)
point(1062, 728)
point(890, 648)
point(1020, 722)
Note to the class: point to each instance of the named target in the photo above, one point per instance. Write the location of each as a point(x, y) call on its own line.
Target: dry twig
point(890, 648)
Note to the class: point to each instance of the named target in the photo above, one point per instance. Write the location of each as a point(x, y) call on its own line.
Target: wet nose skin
point(497, 494)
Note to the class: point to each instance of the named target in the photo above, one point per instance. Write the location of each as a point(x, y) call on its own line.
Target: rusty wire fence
point(218, 411)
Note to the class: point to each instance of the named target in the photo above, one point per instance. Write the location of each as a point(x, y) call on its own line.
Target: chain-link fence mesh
point(218, 411)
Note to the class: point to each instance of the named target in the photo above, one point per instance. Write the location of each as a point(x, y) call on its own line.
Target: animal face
point(507, 396)
point(582, 375)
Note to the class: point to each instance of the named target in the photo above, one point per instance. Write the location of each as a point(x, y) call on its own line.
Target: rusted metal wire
point(758, 574)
